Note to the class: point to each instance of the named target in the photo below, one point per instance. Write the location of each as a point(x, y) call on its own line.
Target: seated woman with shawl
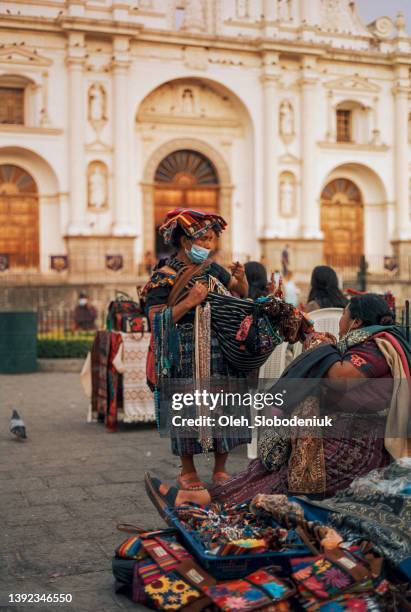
point(371, 346)
point(176, 288)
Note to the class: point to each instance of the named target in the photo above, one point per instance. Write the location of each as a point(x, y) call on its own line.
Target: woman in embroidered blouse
point(194, 236)
point(371, 346)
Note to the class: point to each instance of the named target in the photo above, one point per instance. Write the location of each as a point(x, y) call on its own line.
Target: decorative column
point(270, 13)
point(44, 113)
point(376, 135)
point(330, 118)
point(75, 134)
point(269, 81)
point(310, 16)
point(401, 92)
point(309, 205)
point(121, 136)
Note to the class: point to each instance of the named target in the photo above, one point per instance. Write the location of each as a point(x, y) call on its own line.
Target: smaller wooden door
point(342, 221)
point(19, 217)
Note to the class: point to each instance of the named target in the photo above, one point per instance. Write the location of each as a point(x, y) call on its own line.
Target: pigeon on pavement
point(17, 426)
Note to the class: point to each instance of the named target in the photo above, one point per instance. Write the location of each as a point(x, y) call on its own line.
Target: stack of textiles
point(114, 377)
point(342, 575)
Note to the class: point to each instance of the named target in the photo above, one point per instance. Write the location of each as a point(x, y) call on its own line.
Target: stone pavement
point(64, 489)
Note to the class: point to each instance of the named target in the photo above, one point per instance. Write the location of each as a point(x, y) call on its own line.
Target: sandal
point(219, 478)
point(190, 482)
point(161, 501)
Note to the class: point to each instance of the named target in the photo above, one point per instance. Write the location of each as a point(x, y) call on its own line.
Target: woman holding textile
point(181, 333)
point(371, 346)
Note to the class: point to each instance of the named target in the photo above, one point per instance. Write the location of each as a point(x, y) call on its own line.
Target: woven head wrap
point(194, 223)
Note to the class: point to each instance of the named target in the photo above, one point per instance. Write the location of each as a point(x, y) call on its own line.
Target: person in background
point(325, 292)
point(285, 260)
point(291, 290)
point(85, 314)
point(256, 274)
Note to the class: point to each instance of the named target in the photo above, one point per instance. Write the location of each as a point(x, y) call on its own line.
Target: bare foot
point(202, 498)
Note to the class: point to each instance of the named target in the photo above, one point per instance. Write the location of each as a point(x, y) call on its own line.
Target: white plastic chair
point(325, 320)
point(273, 368)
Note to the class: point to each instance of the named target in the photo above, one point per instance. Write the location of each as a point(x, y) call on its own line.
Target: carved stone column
point(226, 242)
point(148, 217)
point(75, 132)
point(330, 118)
point(401, 93)
point(121, 137)
point(269, 81)
point(309, 205)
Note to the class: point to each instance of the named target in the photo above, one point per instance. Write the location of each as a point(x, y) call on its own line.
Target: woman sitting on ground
point(324, 291)
point(370, 347)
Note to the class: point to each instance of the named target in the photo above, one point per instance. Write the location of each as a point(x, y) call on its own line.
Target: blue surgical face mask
point(197, 254)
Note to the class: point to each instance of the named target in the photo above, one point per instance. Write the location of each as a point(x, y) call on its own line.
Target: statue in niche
point(287, 195)
point(286, 120)
point(188, 101)
point(242, 9)
point(97, 103)
point(284, 10)
point(97, 187)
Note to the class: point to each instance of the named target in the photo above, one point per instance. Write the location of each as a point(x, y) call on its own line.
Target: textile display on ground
point(342, 569)
point(114, 373)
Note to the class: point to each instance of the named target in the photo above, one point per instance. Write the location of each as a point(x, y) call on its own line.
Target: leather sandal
point(190, 482)
point(161, 501)
point(220, 478)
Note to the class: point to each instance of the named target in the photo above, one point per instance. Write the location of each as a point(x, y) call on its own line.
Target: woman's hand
point(196, 295)
point(238, 271)
point(238, 282)
point(314, 339)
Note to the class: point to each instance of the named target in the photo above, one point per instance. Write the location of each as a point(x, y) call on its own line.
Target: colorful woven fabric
point(100, 352)
point(131, 548)
point(130, 361)
point(194, 223)
point(166, 591)
point(114, 391)
point(237, 595)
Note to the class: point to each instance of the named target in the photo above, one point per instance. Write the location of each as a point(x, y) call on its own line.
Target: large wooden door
point(342, 221)
point(184, 179)
point(19, 217)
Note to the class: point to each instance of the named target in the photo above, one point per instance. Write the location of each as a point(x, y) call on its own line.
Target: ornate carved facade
point(280, 98)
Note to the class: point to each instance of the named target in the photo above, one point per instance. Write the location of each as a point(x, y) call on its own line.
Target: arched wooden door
point(342, 221)
point(19, 217)
point(185, 179)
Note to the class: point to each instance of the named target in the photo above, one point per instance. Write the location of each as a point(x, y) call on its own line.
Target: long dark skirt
point(219, 369)
point(344, 461)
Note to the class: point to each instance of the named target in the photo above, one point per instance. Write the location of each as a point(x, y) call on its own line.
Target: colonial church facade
point(290, 117)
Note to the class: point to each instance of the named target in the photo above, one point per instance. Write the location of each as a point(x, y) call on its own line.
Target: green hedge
point(65, 348)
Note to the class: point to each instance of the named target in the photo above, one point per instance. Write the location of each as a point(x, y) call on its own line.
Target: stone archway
point(19, 218)
point(149, 186)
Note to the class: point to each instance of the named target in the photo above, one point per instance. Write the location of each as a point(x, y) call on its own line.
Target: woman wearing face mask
point(174, 318)
point(371, 346)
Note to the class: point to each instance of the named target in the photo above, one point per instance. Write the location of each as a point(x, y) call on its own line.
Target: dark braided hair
point(371, 309)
